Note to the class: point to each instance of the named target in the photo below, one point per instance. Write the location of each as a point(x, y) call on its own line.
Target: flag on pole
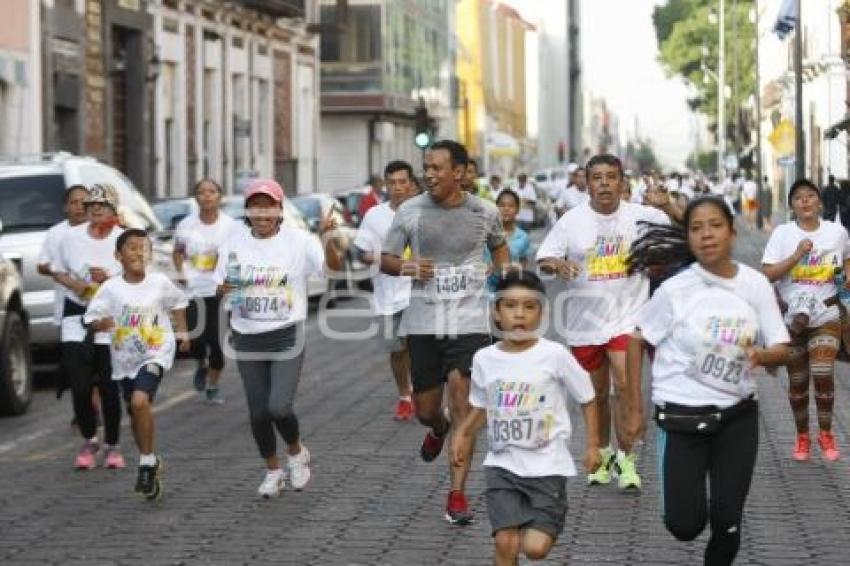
point(787, 19)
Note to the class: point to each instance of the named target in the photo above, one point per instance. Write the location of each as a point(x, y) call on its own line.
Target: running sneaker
point(272, 484)
point(87, 457)
point(602, 475)
point(432, 446)
point(457, 509)
point(149, 481)
point(826, 440)
point(803, 447)
point(299, 469)
point(627, 476)
point(114, 459)
point(403, 410)
point(214, 396)
point(200, 379)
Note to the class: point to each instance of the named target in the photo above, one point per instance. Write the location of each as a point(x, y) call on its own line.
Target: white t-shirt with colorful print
point(200, 243)
point(701, 326)
point(602, 301)
point(814, 275)
point(273, 273)
point(142, 313)
point(525, 395)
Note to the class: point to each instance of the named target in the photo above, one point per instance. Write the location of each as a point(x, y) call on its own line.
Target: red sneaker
point(457, 509)
point(826, 440)
point(432, 446)
point(403, 410)
point(802, 447)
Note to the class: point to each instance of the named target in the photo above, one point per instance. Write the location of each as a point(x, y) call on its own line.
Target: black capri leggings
point(87, 367)
point(727, 458)
point(209, 340)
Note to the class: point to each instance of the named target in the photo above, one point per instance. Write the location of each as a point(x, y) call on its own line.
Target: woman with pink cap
point(264, 271)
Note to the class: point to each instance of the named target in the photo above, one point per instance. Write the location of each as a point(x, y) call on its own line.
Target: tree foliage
point(683, 28)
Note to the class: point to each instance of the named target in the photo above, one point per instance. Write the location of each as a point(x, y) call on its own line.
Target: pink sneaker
point(802, 447)
point(827, 446)
point(86, 459)
point(114, 460)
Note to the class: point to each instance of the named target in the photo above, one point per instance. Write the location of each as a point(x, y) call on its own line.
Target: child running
point(135, 308)
point(520, 388)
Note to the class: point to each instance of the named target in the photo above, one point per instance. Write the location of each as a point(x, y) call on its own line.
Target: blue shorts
point(147, 380)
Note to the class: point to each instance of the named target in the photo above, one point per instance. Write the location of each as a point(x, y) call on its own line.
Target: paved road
point(372, 500)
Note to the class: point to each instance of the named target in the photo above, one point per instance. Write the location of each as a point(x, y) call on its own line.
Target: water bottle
point(233, 272)
point(843, 294)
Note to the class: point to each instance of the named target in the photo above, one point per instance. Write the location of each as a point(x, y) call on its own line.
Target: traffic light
point(424, 133)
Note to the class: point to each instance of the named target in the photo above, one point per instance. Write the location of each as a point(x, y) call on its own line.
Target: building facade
point(385, 58)
point(20, 78)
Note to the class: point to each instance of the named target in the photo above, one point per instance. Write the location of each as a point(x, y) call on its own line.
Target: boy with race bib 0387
point(520, 389)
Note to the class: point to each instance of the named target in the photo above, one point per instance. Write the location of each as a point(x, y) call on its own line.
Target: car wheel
point(15, 367)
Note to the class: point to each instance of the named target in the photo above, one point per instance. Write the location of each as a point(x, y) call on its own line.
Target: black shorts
point(432, 358)
point(147, 380)
point(515, 502)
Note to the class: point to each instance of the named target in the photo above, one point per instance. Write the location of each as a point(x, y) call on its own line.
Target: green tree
point(645, 156)
point(684, 29)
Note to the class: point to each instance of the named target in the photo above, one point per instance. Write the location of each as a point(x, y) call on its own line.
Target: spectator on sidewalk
point(831, 197)
point(766, 205)
point(373, 197)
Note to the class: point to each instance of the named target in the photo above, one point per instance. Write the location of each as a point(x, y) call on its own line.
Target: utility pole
point(798, 87)
point(721, 94)
point(759, 168)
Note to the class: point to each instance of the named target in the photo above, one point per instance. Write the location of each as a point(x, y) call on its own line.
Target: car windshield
point(31, 202)
point(309, 207)
point(171, 212)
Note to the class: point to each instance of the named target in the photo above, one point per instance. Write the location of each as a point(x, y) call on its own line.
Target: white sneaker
point(272, 484)
point(299, 469)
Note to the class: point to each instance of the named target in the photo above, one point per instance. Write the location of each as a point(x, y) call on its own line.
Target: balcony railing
point(277, 8)
point(351, 77)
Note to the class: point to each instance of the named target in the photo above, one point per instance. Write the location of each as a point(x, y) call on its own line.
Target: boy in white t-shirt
point(520, 390)
point(135, 308)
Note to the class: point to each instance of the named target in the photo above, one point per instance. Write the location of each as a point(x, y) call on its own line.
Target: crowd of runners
point(646, 272)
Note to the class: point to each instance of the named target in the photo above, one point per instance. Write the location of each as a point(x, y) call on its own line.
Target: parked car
point(235, 206)
point(15, 360)
point(171, 211)
point(31, 195)
point(317, 205)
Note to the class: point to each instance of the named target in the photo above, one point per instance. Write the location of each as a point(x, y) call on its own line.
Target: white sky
point(620, 64)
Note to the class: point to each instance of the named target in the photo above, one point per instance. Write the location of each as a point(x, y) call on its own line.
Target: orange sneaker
point(826, 440)
point(803, 447)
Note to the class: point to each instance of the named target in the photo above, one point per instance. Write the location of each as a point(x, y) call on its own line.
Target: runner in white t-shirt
point(528, 196)
point(712, 325)
point(589, 247)
point(263, 274)
point(803, 257)
point(135, 308)
point(391, 294)
point(85, 258)
point(197, 241)
point(575, 194)
point(521, 388)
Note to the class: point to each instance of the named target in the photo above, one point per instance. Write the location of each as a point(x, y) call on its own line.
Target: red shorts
point(592, 357)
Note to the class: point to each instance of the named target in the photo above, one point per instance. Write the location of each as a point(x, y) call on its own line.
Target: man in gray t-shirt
point(446, 231)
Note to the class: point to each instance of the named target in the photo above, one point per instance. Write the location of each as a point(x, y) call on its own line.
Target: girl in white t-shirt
point(802, 257)
point(520, 390)
point(263, 273)
point(711, 324)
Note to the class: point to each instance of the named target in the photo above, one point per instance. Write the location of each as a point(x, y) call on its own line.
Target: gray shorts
point(388, 336)
point(515, 502)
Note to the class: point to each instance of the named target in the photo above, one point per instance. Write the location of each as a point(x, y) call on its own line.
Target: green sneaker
point(602, 475)
point(627, 476)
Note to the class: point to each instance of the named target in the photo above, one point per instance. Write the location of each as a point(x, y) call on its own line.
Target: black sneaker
point(200, 379)
point(149, 481)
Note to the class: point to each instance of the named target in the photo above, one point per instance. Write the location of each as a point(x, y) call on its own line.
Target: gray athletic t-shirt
point(455, 301)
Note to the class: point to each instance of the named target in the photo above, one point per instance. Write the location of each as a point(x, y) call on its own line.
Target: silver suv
point(31, 196)
point(15, 361)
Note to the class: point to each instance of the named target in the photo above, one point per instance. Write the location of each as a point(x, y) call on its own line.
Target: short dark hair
point(509, 193)
point(605, 159)
point(472, 162)
point(127, 234)
point(72, 188)
point(800, 184)
point(209, 180)
point(399, 165)
point(457, 151)
point(512, 277)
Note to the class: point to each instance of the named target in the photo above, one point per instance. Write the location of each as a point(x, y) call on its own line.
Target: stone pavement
point(372, 501)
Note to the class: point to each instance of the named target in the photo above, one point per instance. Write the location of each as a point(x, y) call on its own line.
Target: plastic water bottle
point(233, 271)
point(843, 294)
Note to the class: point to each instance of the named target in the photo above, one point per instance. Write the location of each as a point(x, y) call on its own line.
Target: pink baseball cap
point(268, 187)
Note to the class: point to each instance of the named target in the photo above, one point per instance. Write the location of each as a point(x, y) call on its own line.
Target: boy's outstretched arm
point(465, 434)
point(181, 332)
